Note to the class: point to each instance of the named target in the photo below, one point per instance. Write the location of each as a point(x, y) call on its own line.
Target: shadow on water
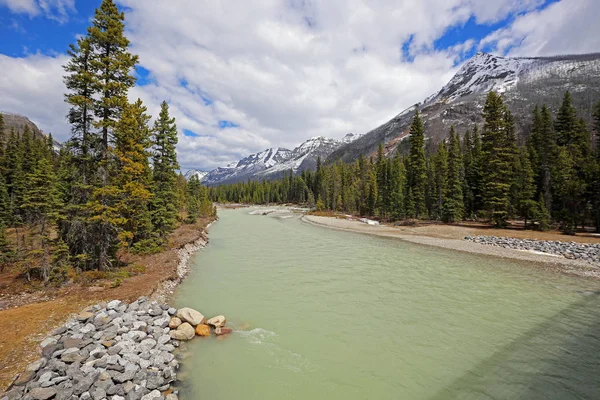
point(558, 359)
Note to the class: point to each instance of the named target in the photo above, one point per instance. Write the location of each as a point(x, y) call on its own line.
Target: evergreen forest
point(552, 179)
point(114, 187)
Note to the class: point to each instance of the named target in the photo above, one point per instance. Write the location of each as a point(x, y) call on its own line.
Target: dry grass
point(30, 312)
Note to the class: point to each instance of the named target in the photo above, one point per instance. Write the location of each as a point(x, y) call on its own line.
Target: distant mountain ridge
point(18, 122)
point(523, 83)
point(274, 162)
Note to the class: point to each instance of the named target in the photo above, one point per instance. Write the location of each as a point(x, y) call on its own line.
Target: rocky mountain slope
point(523, 82)
point(19, 122)
point(273, 163)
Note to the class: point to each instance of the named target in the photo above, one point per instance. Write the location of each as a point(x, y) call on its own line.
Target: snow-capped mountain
point(196, 172)
point(273, 163)
point(523, 83)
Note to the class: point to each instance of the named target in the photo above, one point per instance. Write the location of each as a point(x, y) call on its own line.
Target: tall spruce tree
point(397, 183)
point(381, 170)
point(454, 203)
point(497, 142)
point(544, 143)
point(4, 203)
point(80, 86)
point(133, 141)
point(41, 201)
point(572, 167)
point(164, 159)
point(417, 171)
point(596, 179)
point(99, 75)
point(439, 173)
point(2, 144)
point(194, 199)
point(111, 65)
point(524, 187)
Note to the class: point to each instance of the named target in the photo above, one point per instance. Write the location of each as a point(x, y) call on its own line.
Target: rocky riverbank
point(114, 350)
point(571, 250)
point(166, 288)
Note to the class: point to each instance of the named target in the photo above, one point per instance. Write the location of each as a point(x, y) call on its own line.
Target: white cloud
point(566, 27)
point(32, 86)
point(57, 10)
point(21, 6)
point(286, 70)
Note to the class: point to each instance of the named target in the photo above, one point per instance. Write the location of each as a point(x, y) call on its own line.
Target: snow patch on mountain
point(196, 172)
point(273, 162)
point(482, 73)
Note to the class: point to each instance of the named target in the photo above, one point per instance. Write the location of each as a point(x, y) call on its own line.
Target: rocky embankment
point(114, 351)
point(571, 250)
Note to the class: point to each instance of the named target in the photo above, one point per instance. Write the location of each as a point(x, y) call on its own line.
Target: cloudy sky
point(242, 76)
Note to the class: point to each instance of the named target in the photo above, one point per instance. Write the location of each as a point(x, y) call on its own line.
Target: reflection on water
point(333, 315)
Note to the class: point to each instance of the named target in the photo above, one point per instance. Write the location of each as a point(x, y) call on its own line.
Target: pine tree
point(476, 183)
point(397, 183)
point(5, 249)
point(381, 171)
point(4, 203)
point(545, 143)
point(98, 79)
point(111, 64)
point(454, 202)
point(41, 200)
point(439, 174)
point(2, 144)
point(417, 171)
point(597, 125)
point(133, 140)
point(15, 178)
point(194, 201)
point(164, 159)
point(80, 85)
point(498, 152)
point(566, 122)
point(596, 180)
point(524, 187)
point(542, 217)
point(572, 185)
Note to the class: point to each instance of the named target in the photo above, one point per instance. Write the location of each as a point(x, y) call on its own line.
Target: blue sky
point(242, 77)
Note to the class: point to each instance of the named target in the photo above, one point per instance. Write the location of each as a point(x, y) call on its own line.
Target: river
point(332, 315)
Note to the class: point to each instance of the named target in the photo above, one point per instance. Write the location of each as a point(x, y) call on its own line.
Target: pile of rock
point(187, 323)
point(571, 250)
point(113, 351)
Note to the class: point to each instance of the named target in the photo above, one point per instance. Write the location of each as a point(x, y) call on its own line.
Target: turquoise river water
point(324, 314)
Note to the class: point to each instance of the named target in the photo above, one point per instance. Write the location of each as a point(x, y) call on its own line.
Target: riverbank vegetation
point(112, 189)
point(553, 177)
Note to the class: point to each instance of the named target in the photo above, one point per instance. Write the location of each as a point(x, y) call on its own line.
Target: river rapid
point(324, 314)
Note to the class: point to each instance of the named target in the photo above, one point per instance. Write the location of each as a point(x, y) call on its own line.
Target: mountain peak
point(482, 73)
point(274, 162)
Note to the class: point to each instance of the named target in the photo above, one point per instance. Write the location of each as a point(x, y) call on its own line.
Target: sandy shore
point(535, 259)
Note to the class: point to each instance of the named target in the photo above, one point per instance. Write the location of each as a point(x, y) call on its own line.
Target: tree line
point(114, 186)
point(552, 178)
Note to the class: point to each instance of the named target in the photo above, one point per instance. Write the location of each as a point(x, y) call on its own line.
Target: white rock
point(191, 316)
point(155, 394)
point(217, 322)
point(48, 342)
point(113, 304)
point(185, 331)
